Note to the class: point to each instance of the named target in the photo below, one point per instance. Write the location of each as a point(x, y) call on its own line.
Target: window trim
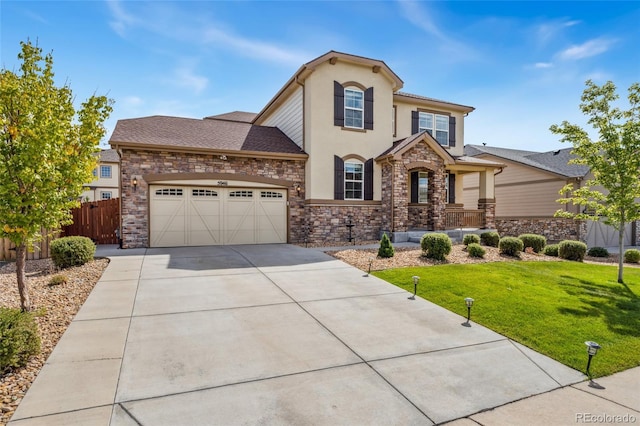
point(360, 110)
point(433, 130)
point(105, 167)
point(103, 193)
point(353, 161)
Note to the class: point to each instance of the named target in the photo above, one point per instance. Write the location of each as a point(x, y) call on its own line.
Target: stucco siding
point(323, 140)
point(288, 117)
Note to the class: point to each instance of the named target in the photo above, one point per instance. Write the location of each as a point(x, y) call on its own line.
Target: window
point(105, 172)
point(393, 120)
point(95, 172)
point(353, 180)
point(169, 191)
point(241, 194)
point(426, 122)
point(105, 195)
point(353, 108)
point(423, 187)
point(203, 193)
point(270, 194)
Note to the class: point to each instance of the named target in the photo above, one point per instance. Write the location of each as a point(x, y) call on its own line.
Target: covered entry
point(198, 216)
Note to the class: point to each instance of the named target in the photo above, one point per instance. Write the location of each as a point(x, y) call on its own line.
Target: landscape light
point(415, 286)
point(469, 302)
point(592, 350)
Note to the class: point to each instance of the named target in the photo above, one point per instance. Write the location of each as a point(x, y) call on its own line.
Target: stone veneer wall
point(327, 222)
point(135, 204)
point(553, 228)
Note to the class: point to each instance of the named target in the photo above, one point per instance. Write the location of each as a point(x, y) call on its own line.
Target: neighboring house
point(106, 183)
point(526, 192)
point(338, 144)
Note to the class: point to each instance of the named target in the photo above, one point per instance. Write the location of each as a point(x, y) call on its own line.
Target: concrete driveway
point(271, 334)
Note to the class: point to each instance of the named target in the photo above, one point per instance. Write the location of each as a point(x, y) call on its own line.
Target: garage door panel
point(211, 216)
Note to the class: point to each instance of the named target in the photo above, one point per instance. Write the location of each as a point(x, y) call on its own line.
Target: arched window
point(353, 180)
point(353, 107)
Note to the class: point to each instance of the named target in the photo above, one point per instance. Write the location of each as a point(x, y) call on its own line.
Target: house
point(339, 144)
point(526, 192)
point(106, 184)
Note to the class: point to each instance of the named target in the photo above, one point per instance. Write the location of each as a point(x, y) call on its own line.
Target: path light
point(371, 259)
point(469, 301)
point(415, 286)
point(592, 350)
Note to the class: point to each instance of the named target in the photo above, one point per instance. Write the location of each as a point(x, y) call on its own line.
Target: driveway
point(271, 334)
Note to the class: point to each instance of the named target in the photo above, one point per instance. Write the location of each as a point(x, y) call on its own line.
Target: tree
point(46, 153)
point(614, 160)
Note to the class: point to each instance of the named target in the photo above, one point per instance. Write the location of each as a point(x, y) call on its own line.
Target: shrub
point(572, 250)
point(386, 249)
point(470, 239)
point(476, 250)
point(632, 256)
point(19, 338)
point(598, 252)
point(490, 239)
point(535, 241)
point(72, 251)
point(511, 246)
point(435, 246)
point(57, 280)
point(551, 250)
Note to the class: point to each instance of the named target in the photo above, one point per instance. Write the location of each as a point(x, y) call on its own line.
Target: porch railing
point(458, 218)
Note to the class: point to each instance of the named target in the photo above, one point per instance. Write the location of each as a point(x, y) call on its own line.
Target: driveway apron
point(271, 334)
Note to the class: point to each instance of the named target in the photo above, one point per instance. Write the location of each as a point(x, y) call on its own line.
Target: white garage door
point(200, 216)
point(601, 235)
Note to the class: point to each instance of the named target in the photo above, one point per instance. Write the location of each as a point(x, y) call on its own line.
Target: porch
point(455, 217)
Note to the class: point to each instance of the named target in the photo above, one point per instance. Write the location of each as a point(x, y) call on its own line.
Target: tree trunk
point(23, 288)
point(621, 252)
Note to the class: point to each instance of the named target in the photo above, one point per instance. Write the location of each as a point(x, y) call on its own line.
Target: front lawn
point(551, 307)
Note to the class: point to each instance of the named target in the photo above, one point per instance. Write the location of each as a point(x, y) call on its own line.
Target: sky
point(522, 65)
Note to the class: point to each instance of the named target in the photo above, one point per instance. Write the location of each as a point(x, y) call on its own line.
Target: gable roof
point(187, 134)
point(427, 100)
point(108, 156)
point(551, 161)
point(239, 116)
point(400, 147)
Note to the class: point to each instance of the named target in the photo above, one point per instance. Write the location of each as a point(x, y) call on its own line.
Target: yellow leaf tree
point(46, 153)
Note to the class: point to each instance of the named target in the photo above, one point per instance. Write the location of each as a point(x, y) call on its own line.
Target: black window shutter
point(415, 121)
point(452, 188)
point(414, 187)
point(338, 104)
point(452, 131)
point(368, 179)
point(368, 109)
point(338, 178)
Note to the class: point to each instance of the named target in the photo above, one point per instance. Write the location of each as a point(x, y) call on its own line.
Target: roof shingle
point(184, 133)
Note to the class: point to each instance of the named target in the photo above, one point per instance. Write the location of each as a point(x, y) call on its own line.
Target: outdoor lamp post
point(469, 301)
point(592, 350)
point(415, 286)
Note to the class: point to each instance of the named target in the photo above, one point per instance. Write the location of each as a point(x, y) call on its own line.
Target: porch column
point(400, 197)
point(486, 198)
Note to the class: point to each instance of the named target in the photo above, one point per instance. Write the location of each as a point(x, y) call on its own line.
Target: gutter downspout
point(119, 152)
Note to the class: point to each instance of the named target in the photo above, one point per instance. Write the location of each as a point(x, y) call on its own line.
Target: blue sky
point(522, 65)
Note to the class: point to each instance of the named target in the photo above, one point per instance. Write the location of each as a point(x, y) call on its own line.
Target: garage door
point(199, 216)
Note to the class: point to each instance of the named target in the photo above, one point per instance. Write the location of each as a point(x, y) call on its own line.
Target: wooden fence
point(97, 220)
point(40, 251)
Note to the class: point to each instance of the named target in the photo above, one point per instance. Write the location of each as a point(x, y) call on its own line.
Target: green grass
point(551, 307)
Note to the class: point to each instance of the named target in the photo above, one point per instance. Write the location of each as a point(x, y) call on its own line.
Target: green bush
point(58, 279)
point(475, 250)
point(572, 250)
point(551, 250)
point(72, 251)
point(435, 246)
point(490, 239)
point(19, 338)
point(632, 256)
point(386, 249)
point(535, 241)
point(470, 239)
point(598, 252)
point(511, 246)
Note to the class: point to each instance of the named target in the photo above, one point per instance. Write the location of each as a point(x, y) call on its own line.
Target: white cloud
point(548, 31)
point(156, 18)
point(587, 49)
point(543, 65)
point(132, 101)
point(185, 77)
